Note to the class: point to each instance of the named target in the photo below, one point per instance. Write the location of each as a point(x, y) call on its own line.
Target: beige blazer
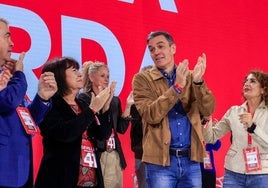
point(234, 159)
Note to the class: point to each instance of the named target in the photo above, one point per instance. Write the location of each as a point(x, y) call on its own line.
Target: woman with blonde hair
point(96, 77)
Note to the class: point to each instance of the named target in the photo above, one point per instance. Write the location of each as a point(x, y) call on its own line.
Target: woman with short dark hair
point(68, 131)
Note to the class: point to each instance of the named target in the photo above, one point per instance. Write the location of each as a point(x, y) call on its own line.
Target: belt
point(109, 150)
point(183, 152)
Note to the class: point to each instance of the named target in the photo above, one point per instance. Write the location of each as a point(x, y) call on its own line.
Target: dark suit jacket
point(62, 135)
point(111, 119)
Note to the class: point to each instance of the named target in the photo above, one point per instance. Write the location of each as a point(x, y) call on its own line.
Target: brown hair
point(262, 78)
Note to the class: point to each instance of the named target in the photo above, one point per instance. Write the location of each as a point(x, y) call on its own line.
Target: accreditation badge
point(27, 120)
point(207, 162)
point(88, 154)
point(110, 143)
point(252, 159)
point(88, 164)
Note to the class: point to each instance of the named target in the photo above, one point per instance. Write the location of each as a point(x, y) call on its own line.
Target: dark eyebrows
point(8, 34)
point(253, 79)
point(160, 42)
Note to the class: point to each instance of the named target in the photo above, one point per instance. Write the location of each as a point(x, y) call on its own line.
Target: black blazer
point(62, 131)
point(108, 120)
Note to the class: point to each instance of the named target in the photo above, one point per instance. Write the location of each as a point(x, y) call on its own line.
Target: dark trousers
point(208, 180)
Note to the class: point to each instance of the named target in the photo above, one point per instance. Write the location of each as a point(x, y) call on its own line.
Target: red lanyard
point(249, 136)
point(249, 139)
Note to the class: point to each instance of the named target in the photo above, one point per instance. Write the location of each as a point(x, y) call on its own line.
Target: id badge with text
point(27, 120)
point(252, 159)
point(110, 143)
point(207, 162)
point(88, 154)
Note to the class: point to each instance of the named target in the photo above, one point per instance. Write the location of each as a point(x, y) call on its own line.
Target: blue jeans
point(236, 180)
point(182, 173)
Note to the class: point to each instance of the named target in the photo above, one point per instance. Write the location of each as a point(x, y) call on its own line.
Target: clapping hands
point(103, 99)
point(182, 71)
point(199, 68)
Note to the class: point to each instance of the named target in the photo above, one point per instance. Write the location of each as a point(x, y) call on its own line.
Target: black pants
point(208, 180)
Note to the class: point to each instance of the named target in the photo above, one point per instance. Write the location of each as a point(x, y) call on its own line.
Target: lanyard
point(249, 139)
point(249, 136)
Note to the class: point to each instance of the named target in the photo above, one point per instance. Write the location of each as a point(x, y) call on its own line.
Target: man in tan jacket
point(171, 100)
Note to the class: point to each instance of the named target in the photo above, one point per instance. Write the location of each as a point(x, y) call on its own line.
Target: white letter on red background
point(74, 29)
point(167, 5)
point(40, 41)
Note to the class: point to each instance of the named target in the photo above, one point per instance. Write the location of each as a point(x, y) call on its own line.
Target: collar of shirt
point(171, 78)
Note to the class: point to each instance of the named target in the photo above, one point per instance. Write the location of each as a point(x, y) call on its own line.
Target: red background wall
point(233, 34)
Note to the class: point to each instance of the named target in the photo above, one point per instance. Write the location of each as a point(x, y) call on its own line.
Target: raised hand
point(97, 102)
point(15, 65)
point(246, 119)
point(107, 104)
point(181, 73)
point(47, 85)
point(130, 102)
point(130, 99)
point(5, 76)
point(200, 68)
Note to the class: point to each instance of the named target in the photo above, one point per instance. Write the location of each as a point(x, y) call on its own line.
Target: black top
point(111, 119)
point(136, 132)
point(62, 131)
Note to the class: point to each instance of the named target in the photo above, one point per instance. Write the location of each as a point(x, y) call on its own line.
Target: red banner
point(233, 34)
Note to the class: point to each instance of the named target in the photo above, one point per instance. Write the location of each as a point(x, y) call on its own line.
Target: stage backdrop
point(233, 34)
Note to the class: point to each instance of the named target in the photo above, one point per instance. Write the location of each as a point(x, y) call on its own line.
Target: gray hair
point(3, 20)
